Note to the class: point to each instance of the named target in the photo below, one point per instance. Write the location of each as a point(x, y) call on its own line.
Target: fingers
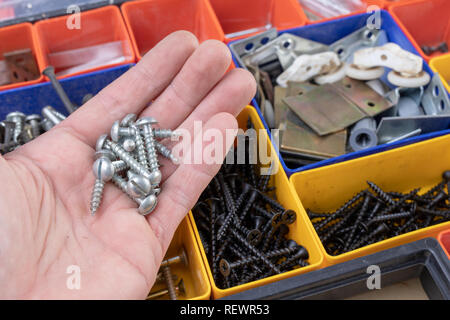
point(135, 89)
point(202, 71)
point(182, 190)
point(231, 95)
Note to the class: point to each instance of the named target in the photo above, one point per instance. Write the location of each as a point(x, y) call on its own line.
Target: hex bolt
point(179, 289)
point(169, 283)
point(103, 171)
point(117, 131)
point(18, 118)
point(166, 152)
point(49, 72)
point(34, 121)
point(134, 165)
point(149, 141)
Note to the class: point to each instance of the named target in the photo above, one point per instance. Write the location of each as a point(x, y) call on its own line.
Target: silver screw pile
point(18, 129)
point(129, 159)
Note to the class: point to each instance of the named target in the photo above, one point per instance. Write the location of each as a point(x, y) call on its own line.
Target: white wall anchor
point(407, 68)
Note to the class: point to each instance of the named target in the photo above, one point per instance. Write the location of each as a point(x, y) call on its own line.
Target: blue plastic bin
point(328, 33)
point(32, 99)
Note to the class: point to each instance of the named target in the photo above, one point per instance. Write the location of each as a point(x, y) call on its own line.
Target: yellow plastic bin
point(441, 65)
point(404, 169)
point(299, 231)
point(195, 278)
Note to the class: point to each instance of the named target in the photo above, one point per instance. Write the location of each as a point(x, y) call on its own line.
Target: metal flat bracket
point(247, 46)
point(393, 127)
point(359, 39)
point(435, 99)
point(286, 48)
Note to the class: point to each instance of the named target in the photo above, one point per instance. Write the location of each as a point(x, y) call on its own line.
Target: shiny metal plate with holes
point(435, 100)
point(394, 127)
point(301, 139)
point(363, 96)
point(325, 110)
point(286, 48)
point(359, 39)
point(246, 46)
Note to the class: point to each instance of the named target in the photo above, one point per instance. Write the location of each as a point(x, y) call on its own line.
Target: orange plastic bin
point(19, 37)
point(444, 240)
point(243, 18)
point(425, 22)
point(313, 17)
point(149, 21)
point(98, 27)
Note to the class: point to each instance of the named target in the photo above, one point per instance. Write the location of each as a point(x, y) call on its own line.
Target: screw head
point(276, 220)
point(33, 117)
point(103, 169)
point(101, 142)
point(254, 237)
point(146, 121)
point(129, 145)
point(224, 267)
point(183, 257)
point(128, 119)
point(155, 177)
point(446, 175)
point(16, 114)
point(289, 216)
point(283, 230)
point(147, 205)
point(138, 186)
point(115, 130)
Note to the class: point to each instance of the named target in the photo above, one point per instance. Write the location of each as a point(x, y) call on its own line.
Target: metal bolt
point(50, 73)
point(138, 186)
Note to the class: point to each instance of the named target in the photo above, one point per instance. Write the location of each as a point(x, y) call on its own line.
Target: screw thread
point(383, 195)
point(141, 153)
point(149, 142)
point(119, 166)
point(128, 159)
point(165, 152)
point(97, 194)
point(255, 251)
point(169, 282)
point(163, 133)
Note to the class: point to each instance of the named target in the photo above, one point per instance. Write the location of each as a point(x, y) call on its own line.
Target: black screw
point(50, 73)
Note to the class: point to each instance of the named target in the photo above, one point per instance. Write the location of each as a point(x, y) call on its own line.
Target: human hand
point(45, 225)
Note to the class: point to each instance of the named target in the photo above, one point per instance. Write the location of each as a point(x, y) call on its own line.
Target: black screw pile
point(243, 227)
point(374, 215)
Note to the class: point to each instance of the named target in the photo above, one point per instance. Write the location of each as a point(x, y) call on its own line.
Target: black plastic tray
point(424, 259)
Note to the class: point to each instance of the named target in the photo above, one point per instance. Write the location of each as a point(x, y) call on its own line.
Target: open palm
point(45, 189)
